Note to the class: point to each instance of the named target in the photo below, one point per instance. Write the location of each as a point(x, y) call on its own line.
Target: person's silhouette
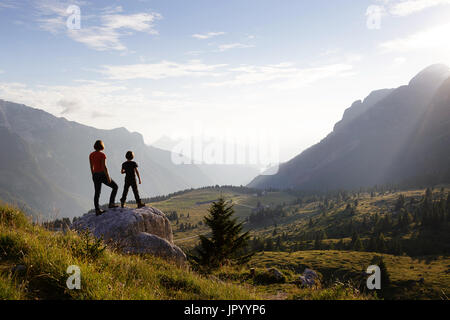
point(100, 174)
point(130, 169)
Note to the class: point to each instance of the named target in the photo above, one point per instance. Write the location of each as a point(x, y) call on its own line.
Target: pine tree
point(227, 243)
point(381, 243)
point(269, 245)
point(357, 244)
point(372, 246)
point(400, 204)
point(317, 243)
point(385, 277)
point(340, 245)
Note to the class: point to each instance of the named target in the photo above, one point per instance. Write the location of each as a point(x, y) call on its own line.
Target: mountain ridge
point(59, 149)
point(360, 152)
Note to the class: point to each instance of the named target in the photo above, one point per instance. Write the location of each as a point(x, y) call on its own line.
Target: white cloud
point(402, 8)
point(69, 106)
point(112, 9)
point(52, 16)
point(64, 99)
point(283, 75)
point(287, 75)
point(407, 7)
point(86, 101)
point(53, 25)
point(142, 22)
point(208, 35)
point(8, 4)
point(163, 69)
point(435, 37)
point(228, 46)
point(108, 35)
point(51, 7)
point(98, 38)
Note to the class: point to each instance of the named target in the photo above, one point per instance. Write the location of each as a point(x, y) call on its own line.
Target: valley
point(333, 234)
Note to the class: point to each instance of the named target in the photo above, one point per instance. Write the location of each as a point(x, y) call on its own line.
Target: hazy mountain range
point(397, 135)
point(44, 163)
point(221, 174)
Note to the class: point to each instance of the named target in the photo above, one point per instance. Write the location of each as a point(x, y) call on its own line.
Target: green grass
point(334, 265)
point(270, 289)
point(104, 275)
point(110, 275)
point(348, 265)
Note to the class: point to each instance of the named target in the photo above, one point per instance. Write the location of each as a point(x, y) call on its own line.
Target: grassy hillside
point(416, 226)
point(292, 232)
point(34, 260)
point(43, 257)
point(191, 206)
point(289, 231)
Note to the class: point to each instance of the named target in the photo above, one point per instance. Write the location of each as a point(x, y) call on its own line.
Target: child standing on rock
point(129, 168)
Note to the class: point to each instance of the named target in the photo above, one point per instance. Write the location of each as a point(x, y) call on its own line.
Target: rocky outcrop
point(310, 278)
point(277, 275)
point(135, 231)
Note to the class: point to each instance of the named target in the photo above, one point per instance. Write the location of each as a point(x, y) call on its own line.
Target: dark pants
point(99, 178)
point(133, 185)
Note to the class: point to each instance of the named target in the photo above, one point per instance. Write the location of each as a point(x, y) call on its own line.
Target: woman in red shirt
point(97, 163)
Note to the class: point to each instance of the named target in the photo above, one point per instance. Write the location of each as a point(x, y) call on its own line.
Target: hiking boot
point(112, 206)
point(122, 204)
point(140, 205)
point(99, 212)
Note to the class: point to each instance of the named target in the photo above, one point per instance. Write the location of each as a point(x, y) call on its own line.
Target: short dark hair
point(129, 155)
point(99, 145)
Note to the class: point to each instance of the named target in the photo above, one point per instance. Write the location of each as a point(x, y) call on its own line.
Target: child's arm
point(137, 173)
point(122, 171)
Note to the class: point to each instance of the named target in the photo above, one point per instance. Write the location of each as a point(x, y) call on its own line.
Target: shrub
point(12, 246)
point(88, 247)
point(12, 217)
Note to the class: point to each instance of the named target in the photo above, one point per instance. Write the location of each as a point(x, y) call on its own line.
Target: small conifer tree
point(227, 244)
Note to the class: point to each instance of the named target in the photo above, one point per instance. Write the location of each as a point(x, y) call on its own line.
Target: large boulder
point(310, 278)
point(135, 231)
point(277, 275)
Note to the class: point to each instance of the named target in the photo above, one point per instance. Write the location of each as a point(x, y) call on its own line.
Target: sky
point(253, 70)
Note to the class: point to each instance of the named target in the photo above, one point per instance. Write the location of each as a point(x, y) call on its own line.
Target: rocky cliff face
point(425, 158)
point(136, 231)
point(367, 143)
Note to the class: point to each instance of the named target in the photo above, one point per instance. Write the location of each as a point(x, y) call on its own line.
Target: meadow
point(284, 228)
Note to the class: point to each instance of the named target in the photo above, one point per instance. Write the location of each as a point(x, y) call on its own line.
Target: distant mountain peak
point(435, 72)
point(392, 136)
point(359, 107)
